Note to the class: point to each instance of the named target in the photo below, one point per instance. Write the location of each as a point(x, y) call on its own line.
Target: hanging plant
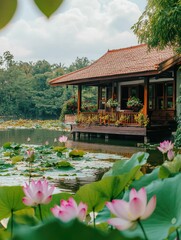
point(112, 103)
point(134, 103)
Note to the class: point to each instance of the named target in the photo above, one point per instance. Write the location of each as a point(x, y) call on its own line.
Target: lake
point(104, 153)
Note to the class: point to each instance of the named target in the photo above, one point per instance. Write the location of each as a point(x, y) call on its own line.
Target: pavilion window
point(164, 96)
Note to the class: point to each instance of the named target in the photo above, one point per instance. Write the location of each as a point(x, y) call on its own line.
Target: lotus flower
point(37, 193)
point(170, 155)
point(30, 153)
point(165, 146)
point(127, 213)
point(63, 139)
point(69, 210)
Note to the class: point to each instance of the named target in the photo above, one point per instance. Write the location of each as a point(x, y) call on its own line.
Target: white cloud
point(82, 28)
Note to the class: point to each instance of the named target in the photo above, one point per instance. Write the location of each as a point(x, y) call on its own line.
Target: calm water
point(122, 146)
point(37, 136)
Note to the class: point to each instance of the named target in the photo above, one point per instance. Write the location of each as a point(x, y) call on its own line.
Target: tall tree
point(78, 64)
point(159, 25)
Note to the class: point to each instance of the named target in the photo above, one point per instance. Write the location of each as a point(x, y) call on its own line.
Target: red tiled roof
point(124, 61)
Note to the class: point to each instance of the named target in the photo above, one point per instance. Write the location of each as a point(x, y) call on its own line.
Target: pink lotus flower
point(69, 210)
point(170, 155)
point(63, 139)
point(127, 213)
point(165, 146)
point(30, 153)
point(37, 193)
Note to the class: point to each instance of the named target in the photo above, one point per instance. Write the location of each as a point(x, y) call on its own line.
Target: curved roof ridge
point(126, 48)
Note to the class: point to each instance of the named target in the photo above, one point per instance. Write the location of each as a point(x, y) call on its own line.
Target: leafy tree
point(159, 25)
point(78, 64)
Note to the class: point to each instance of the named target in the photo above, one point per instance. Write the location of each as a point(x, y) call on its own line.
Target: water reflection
point(37, 136)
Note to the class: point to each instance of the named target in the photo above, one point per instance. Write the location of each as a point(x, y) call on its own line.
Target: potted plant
point(134, 103)
point(141, 119)
point(112, 103)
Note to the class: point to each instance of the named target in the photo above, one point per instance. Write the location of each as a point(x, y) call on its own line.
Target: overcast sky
point(80, 28)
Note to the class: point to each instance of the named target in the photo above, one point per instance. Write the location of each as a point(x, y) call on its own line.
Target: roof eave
point(106, 78)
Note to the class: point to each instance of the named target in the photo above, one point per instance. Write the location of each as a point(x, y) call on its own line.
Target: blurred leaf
point(48, 7)
point(16, 159)
point(97, 193)
point(170, 167)
point(7, 10)
point(124, 166)
point(57, 230)
point(10, 200)
point(76, 153)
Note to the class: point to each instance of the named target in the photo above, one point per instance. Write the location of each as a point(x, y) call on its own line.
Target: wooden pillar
point(99, 97)
point(112, 94)
point(146, 96)
point(174, 88)
point(79, 102)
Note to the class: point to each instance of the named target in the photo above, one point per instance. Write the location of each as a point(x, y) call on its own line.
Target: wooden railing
point(123, 117)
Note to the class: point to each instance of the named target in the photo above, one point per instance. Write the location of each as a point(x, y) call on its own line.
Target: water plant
point(147, 204)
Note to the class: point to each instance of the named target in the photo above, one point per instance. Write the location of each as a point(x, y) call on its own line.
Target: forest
point(25, 91)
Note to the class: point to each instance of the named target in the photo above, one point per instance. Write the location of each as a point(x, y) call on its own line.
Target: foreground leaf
point(167, 215)
point(48, 7)
point(7, 10)
point(97, 193)
point(10, 200)
point(124, 166)
point(57, 230)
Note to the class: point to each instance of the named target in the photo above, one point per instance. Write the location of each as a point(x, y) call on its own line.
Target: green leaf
point(124, 166)
point(170, 167)
point(57, 230)
point(164, 172)
point(97, 193)
point(7, 10)
point(48, 7)
point(76, 153)
point(167, 215)
point(16, 159)
point(10, 200)
point(146, 179)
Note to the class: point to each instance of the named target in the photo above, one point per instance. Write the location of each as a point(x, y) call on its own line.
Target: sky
point(80, 28)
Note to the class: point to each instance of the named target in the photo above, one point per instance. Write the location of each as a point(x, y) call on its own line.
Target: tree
point(78, 64)
point(159, 25)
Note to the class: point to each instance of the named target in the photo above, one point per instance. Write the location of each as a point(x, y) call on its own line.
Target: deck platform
point(144, 132)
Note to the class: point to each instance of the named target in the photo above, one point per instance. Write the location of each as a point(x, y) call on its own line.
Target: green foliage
point(97, 193)
point(69, 107)
point(63, 164)
point(159, 25)
point(177, 137)
point(167, 215)
point(76, 153)
point(59, 149)
point(10, 200)
point(54, 229)
point(48, 6)
point(125, 166)
point(7, 10)
point(26, 92)
point(170, 167)
point(16, 159)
